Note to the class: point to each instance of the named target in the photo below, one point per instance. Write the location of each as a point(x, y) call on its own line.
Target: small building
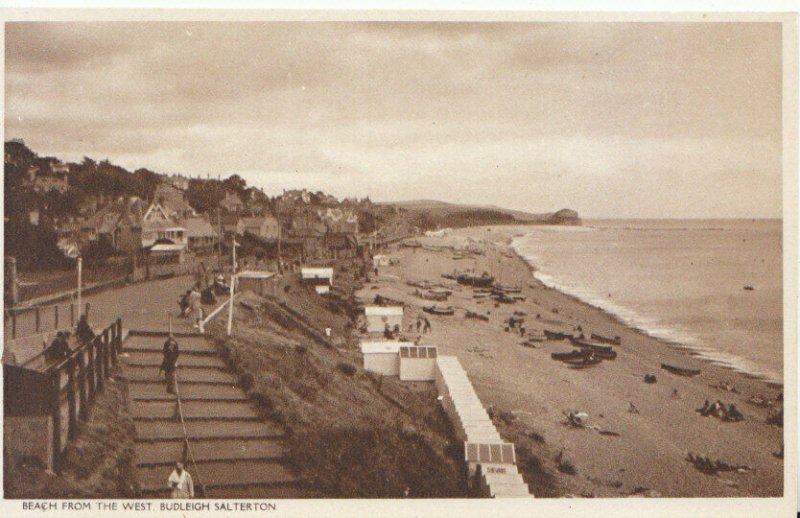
point(417, 363)
point(378, 317)
point(319, 277)
point(488, 455)
point(264, 227)
point(261, 283)
point(202, 236)
point(380, 260)
point(382, 357)
point(168, 253)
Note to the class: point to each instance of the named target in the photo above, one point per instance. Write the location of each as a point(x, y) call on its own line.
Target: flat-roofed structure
point(260, 282)
point(320, 277)
point(378, 317)
point(417, 362)
point(382, 357)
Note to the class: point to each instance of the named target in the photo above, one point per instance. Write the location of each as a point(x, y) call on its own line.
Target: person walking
point(180, 482)
point(169, 363)
point(427, 328)
point(196, 307)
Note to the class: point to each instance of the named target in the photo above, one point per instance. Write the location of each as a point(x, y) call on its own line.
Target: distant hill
point(447, 214)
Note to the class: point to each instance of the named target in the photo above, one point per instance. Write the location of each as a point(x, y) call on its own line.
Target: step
point(157, 390)
point(219, 474)
point(265, 492)
point(153, 358)
point(193, 409)
point(198, 374)
point(162, 429)
point(167, 452)
point(156, 343)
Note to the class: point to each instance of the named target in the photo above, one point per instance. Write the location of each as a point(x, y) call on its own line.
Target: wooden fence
point(63, 391)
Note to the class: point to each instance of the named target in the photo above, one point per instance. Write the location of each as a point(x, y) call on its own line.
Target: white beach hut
point(417, 362)
point(382, 357)
point(379, 316)
point(320, 277)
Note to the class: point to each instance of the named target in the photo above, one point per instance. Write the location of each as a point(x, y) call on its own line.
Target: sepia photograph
point(249, 260)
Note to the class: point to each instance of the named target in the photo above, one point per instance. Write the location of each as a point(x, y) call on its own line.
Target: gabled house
point(264, 227)
point(172, 199)
point(155, 220)
point(231, 202)
point(231, 224)
point(120, 224)
point(201, 234)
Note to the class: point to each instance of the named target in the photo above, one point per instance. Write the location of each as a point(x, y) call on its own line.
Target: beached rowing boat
point(589, 344)
point(478, 281)
point(439, 310)
point(680, 371)
point(584, 362)
point(557, 335)
point(604, 339)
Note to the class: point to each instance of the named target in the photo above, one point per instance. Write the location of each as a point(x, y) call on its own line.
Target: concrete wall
point(417, 369)
point(382, 363)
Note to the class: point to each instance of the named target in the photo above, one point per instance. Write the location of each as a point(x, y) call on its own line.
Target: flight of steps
point(238, 454)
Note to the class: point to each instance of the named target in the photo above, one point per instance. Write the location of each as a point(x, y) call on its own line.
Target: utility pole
point(219, 241)
point(80, 283)
point(233, 281)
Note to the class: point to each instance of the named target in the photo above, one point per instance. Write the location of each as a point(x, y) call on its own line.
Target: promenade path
point(144, 305)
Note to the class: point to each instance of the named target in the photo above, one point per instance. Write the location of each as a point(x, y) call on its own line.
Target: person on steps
point(84, 331)
point(180, 483)
point(169, 363)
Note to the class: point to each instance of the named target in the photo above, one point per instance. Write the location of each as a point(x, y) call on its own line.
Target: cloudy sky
point(613, 120)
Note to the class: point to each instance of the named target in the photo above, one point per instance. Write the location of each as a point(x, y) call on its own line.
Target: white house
point(417, 363)
point(382, 357)
point(379, 316)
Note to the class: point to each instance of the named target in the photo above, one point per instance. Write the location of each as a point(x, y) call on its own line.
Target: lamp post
point(233, 281)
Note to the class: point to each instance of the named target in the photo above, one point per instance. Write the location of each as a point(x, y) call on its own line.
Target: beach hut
point(380, 260)
point(382, 357)
point(259, 282)
point(320, 277)
point(417, 363)
point(488, 455)
point(379, 316)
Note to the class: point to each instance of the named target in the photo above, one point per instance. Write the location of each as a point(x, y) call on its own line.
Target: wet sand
point(650, 451)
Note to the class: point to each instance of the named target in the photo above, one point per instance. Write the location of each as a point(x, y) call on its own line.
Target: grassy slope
point(351, 434)
point(98, 464)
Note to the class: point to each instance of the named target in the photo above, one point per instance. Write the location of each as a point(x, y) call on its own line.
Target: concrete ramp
point(237, 454)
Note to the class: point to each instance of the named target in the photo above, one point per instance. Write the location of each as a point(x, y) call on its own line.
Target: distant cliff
point(430, 214)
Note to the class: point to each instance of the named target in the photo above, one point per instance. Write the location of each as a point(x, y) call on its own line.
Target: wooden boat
point(507, 289)
point(680, 371)
point(572, 355)
point(431, 295)
point(452, 276)
point(557, 335)
point(439, 310)
point(589, 344)
point(604, 339)
point(503, 299)
point(536, 336)
point(477, 316)
point(583, 362)
point(478, 281)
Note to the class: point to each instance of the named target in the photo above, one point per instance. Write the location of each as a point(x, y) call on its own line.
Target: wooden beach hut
point(320, 277)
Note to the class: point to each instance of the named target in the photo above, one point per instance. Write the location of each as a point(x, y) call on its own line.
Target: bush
point(347, 368)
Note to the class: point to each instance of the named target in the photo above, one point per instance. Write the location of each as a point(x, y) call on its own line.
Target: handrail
point(186, 436)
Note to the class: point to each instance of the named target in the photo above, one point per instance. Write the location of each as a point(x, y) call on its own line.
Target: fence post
point(113, 345)
point(82, 385)
point(106, 353)
point(13, 324)
point(71, 314)
point(90, 368)
point(56, 312)
point(98, 357)
point(72, 429)
point(37, 318)
point(55, 401)
point(119, 335)
point(88, 307)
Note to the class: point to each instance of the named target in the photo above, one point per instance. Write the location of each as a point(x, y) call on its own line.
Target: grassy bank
point(350, 433)
point(97, 464)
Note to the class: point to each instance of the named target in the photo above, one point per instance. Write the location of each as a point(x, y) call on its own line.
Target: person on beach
point(419, 324)
point(734, 414)
point(704, 410)
point(169, 363)
point(59, 348)
point(180, 482)
point(427, 327)
point(84, 331)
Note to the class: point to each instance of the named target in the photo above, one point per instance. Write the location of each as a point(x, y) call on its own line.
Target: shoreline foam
point(669, 335)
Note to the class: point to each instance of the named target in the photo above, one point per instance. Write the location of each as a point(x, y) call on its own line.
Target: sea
point(683, 281)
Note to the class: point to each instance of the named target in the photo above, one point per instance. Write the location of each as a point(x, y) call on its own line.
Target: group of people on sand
point(718, 410)
point(711, 467)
